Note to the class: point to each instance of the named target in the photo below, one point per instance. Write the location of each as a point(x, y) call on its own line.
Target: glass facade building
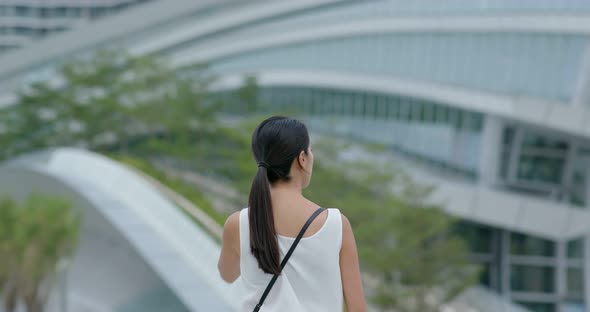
point(495, 94)
point(23, 21)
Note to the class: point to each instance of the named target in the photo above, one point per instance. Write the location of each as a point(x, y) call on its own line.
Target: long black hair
point(276, 142)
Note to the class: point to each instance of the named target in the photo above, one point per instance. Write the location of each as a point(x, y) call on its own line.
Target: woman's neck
point(285, 189)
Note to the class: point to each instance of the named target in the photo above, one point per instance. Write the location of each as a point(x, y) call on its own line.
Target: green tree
point(248, 96)
point(109, 99)
point(45, 231)
point(409, 253)
point(8, 222)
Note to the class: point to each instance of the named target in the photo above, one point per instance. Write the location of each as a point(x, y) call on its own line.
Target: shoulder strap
point(287, 256)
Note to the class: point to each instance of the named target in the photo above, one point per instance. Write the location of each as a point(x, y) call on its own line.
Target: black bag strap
point(287, 256)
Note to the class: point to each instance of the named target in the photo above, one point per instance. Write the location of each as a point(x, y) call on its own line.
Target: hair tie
point(264, 165)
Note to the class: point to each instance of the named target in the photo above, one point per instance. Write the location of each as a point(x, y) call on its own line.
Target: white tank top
point(311, 279)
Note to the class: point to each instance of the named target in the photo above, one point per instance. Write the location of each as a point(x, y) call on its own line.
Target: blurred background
point(454, 134)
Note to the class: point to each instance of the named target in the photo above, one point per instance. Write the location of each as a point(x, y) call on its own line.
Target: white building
point(25, 21)
point(490, 97)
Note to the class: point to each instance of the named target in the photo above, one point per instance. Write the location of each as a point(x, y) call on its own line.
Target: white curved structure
point(23, 22)
point(490, 98)
point(138, 251)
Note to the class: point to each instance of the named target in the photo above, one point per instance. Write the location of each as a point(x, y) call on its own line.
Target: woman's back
point(323, 271)
point(311, 279)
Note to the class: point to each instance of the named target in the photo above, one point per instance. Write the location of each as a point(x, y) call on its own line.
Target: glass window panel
point(359, 105)
point(20, 30)
point(20, 10)
point(442, 114)
point(477, 237)
point(416, 108)
point(310, 101)
point(428, 113)
point(505, 162)
point(539, 307)
point(575, 249)
point(574, 307)
point(508, 135)
point(336, 103)
point(371, 106)
point(527, 278)
point(394, 108)
point(382, 107)
point(577, 199)
point(322, 102)
point(526, 245)
point(460, 121)
point(301, 100)
point(475, 122)
point(61, 11)
point(341, 99)
point(575, 281)
point(44, 12)
point(541, 169)
point(453, 116)
point(485, 275)
point(348, 104)
point(538, 141)
point(319, 101)
point(579, 178)
point(584, 152)
point(282, 98)
point(294, 100)
point(75, 12)
point(271, 97)
point(333, 107)
point(404, 109)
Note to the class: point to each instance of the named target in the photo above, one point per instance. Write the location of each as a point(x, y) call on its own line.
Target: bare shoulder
point(348, 240)
point(346, 227)
point(232, 223)
point(231, 232)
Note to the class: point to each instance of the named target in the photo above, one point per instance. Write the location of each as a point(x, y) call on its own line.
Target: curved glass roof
point(534, 65)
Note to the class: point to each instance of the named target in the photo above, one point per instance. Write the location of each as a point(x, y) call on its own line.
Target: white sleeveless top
point(310, 282)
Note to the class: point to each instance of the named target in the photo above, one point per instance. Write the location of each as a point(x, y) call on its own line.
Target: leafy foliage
point(138, 109)
point(110, 99)
point(406, 245)
point(8, 217)
point(36, 235)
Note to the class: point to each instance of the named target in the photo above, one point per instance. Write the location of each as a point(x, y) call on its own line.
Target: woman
point(323, 269)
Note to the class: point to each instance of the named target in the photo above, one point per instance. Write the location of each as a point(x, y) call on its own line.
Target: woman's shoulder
point(341, 217)
point(232, 223)
point(334, 211)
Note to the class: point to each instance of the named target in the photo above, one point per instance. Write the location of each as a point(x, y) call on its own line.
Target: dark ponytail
point(276, 142)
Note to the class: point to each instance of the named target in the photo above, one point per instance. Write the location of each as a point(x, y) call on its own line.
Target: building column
point(505, 264)
point(490, 150)
point(581, 95)
point(568, 169)
point(513, 161)
point(496, 263)
point(561, 274)
point(586, 268)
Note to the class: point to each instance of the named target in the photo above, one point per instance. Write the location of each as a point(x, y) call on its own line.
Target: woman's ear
point(301, 160)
